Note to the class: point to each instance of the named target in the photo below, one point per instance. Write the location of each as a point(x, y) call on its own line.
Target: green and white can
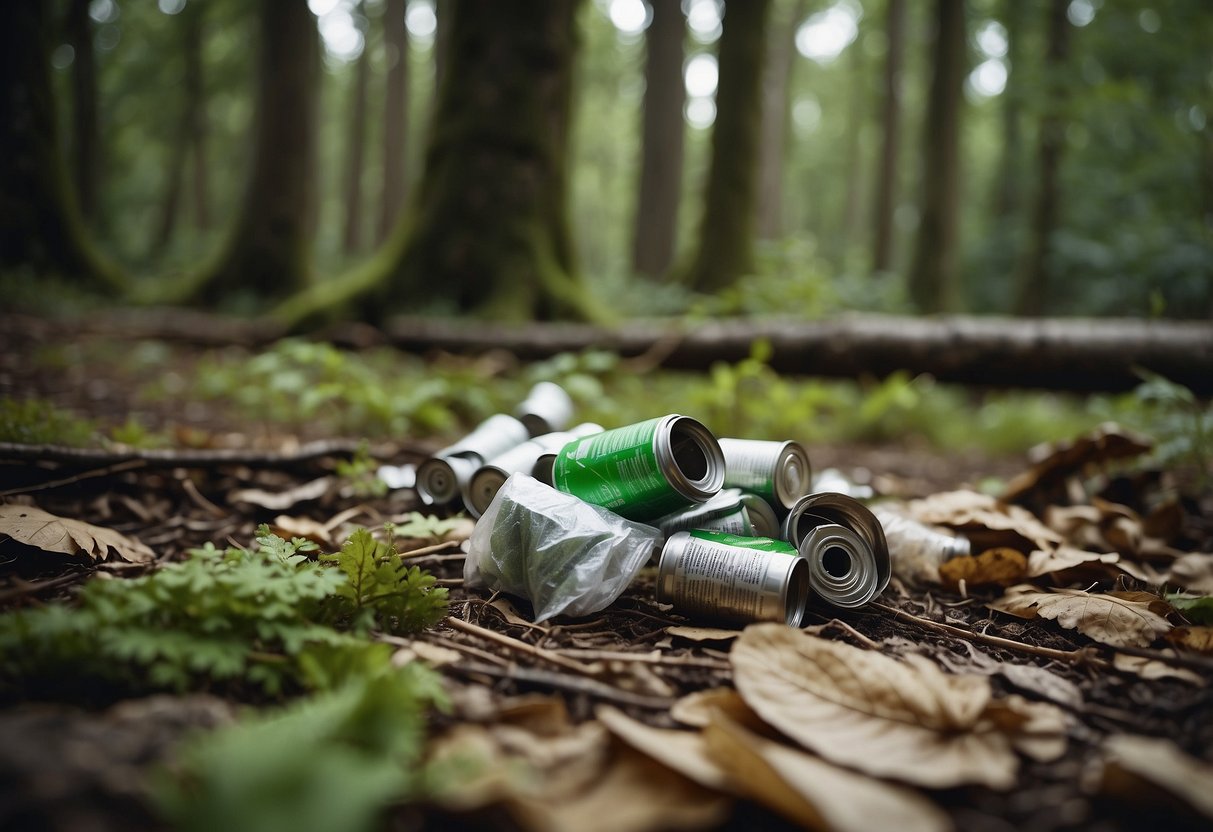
point(520, 459)
point(723, 513)
point(733, 578)
point(778, 471)
point(645, 470)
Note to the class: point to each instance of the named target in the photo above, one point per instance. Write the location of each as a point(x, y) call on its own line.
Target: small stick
point(520, 646)
point(642, 658)
point(847, 628)
point(572, 684)
point(426, 550)
point(30, 588)
point(118, 468)
point(201, 501)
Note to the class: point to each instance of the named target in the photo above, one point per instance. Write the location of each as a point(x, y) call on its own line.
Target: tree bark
point(1032, 298)
point(933, 281)
point(726, 234)
point(663, 132)
point(443, 12)
point(775, 84)
point(395, 117)
point(269, 252)
point(856, 110)
point(351, 238)
point(195, 94)
point(1007, 194)
point(890, 146)
point(86, 133)
point(41, 229)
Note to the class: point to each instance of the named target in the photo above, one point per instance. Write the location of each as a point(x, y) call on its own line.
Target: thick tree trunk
point(890, 142)
point(776, 81)
point(444, 13)
point(195, 94)
point(395, 117)
point(1034, 277)
point(1007, 194)
point(269, 252)
point(40, 224)
point(934, 277)
point(86, 125)
point(726, 233)
point(351, 238)
point(663, 133)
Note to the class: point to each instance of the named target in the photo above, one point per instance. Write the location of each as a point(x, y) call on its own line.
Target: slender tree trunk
point(86, 136)
point(269, 252)
point(1007, 194)
point(195, 94)
point(856, 110)
point(890, 146)
point(726, 233)
point(355, 149)
point(775, 84)
point(933, 281)
point(395, 117)
point(41, 230)
point(444, 12)
point(1035, 277)
point(663, 133)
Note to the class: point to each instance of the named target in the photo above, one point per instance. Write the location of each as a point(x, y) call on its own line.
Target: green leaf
point(1197, 609)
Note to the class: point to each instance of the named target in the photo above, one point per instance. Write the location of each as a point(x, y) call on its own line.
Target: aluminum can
point(645, 470)
point(762, 517)
point(779, 471)
point(547, 408)
point(489, 478)
point(845, 545)
point(733, 578)
point(448, 473)
point(723, 513)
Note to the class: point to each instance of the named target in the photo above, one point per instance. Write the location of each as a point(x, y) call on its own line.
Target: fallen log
point(1076, 354)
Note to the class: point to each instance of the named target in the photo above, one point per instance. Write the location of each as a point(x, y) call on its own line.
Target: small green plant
point(38, 422)
point(381, 591)
point(360, 473)
point(1180, 423)
point(135, 434)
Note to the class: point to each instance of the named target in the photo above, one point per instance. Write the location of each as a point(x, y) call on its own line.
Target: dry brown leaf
point(1054, 463)
point(1067, 558)
point(696, 708)
point(287, 527)
point(507, 609)
point(812, 792)
point(1151, 669)
point(432, 654)
point(889, 718)
point(1196, 639)
point(1107, 619)
point(993, 566)
point(1193, 572)
point(987, 522)
point(1036, 729)
point(1130, 760)
point(703, 633)
point(282, 500)
point(43, 530)
point(682, 751)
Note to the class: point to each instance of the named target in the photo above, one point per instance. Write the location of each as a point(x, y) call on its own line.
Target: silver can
point(448, 473)
point(732, 578)
point(778, 471)
point(489, 478)
point(845, 545)
point(723, 513)
point(546, 409)
point(762, 517)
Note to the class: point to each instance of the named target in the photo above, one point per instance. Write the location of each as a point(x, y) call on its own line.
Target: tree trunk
point(86, 135)
point(726, 233)
point(40, 224)
point(775, 84)
point(933, 281)
point(195, 95)
point(890, 147)
point(351, 238)
point(444, 13)
point(664, 128)
point(269, 252)
point(1007, 193)
point(1035, 278)
point(395, 117)
point(856, 110)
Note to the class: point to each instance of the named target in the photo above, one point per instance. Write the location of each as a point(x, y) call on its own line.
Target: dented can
point(778, 471)
point(547, 408)
point(762, 517)
point(723, 513)
point(733, 578)
point(645, 470)
point(488, 478)
point(844, 545)
point(447, 474)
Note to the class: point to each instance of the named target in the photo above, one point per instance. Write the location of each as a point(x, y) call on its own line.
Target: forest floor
point(67, 767)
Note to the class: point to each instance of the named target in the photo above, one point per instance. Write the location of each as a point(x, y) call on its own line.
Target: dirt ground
point(72, 768)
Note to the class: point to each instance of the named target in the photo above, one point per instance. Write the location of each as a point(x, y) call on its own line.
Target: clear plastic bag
point(555, 550)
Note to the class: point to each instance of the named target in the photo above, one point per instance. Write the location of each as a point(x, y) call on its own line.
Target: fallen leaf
point(42, 530)
point(432, 654)
point(987, 522)
point(1193, 572)
point(1053, 463)
point(889, 718)
point(1151, 669)
point(812, 792)
point(696, 708)
point(287, 527)
point(282, 500)
point(1196, 639)
point(512, 616)
point(682, 751)
point(1002, 567)
point(1067, 558)
point(703, 633)
point(1043, 683)
point(1107, 619)
point(1133, 760)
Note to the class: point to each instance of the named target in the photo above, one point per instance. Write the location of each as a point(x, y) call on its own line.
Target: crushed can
point(778, 471)
point(723, 513)
point(844, 545)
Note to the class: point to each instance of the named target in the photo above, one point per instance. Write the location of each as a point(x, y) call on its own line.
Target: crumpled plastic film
point(557, 551)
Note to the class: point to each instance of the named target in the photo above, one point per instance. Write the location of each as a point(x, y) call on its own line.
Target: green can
point(645, 470)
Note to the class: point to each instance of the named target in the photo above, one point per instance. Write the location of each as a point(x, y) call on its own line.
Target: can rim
point(786, 494)
point(695, 489)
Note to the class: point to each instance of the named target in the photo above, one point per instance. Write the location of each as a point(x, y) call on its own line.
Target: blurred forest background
point(799, 157)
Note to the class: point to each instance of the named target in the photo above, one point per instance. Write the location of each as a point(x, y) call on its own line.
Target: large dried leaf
point(42, 530)
point(1054, 463)
point(1193, 572)
point(1107, 618)
point(282, 500)
point(1001, 567)
point(812, 792)
point(696, 708)
point(889, 718)
point(987, 522)
point(1071, 561)
point(682, 751)
point(1151, 669)
point(1133, 759)
point(703, 633)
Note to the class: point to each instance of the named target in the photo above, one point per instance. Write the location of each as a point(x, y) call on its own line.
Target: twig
point(449, 582)
point(641, 658)
point(116, 468)
point(172, 458)
point(573, 684)
point(847, 628)
point(200, 500)
point(438, 558)
point(426, 550)
point(1081, 656)
point(521, 646)
point(30, 588)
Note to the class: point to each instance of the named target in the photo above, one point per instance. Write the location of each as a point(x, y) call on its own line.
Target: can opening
point(836, 561)
point(689, 454)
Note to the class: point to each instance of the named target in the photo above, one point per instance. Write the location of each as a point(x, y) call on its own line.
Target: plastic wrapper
point(555, 550)
point(916, 550)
